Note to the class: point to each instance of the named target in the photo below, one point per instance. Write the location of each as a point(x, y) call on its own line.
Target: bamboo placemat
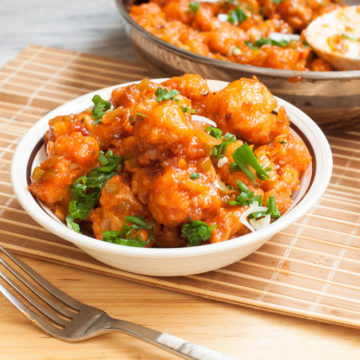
point(310, 270)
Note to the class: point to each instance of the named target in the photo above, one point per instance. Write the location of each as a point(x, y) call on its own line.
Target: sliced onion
point(203, 120)
point(223, 17)
point(287, 37)
point(224, 160)
point(258, 224)
point(250, 210)
point(222, 187)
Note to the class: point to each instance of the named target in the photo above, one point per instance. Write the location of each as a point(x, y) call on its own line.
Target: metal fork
point(71, 320)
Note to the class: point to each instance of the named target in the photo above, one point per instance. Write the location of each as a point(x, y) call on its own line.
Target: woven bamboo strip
point(292, 273)
point(339, 210)
point(31, 83)
point(345, 148)
point(87, 66)
point(343, 194)
point(266, 254)
point(122, 65)
point(96, 81)
point(349, 141)
point(11, 196)
point(351, 190)
point(276, 244)
point(340, 200)
point(330, 231)
point(55, 245)
point(320, 241)
point(277, 282)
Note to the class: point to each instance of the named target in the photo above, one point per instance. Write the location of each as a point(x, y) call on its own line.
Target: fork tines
point(40, 298)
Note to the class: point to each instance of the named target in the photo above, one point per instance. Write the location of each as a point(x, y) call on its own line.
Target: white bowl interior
point(174, 261)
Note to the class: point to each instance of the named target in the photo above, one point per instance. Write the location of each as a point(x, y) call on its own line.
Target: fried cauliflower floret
point(175, 197)
point(288, 149)
point(288, 158)
point(116, 201)
point(245, 108)
point(194, 87)
point(166, 130)
point(72, 156)
point(227, 224)
point(142, 182)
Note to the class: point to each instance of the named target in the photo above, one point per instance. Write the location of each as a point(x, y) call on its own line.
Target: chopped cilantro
point(237, 16)
point(282, 141)
point(277, 2)
point(188, 110)
point(243, 157)
point(127, 234)
point(196, 232)
point(100, 108)
point(194, 6)
point(194, 175)
point(163, 94)
point(72, 224)
point(85, 190)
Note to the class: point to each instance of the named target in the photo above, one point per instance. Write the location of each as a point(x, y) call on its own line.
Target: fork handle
point(174, 344)
point(190, 350)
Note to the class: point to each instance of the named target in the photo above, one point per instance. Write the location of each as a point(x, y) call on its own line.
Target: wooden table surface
point(95, 27)
point(236, 331)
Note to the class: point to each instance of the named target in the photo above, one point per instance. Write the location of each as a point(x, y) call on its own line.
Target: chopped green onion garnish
point(188, 110)
point(272, 208)
point(349, 37)
point(241, 186)
point(246, 197)
point(141, 114)
point(244, 157)
point(194, 175)
point(214, 132)
point(266, 41)
point(220, 150)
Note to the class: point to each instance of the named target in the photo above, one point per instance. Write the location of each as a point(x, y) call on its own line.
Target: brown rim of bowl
point(253, 70)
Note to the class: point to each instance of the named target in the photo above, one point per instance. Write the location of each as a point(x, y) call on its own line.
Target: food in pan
point(265, 33)
point(172, 164)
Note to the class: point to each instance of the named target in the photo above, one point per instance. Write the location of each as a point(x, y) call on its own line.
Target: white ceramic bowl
point(173, 261)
